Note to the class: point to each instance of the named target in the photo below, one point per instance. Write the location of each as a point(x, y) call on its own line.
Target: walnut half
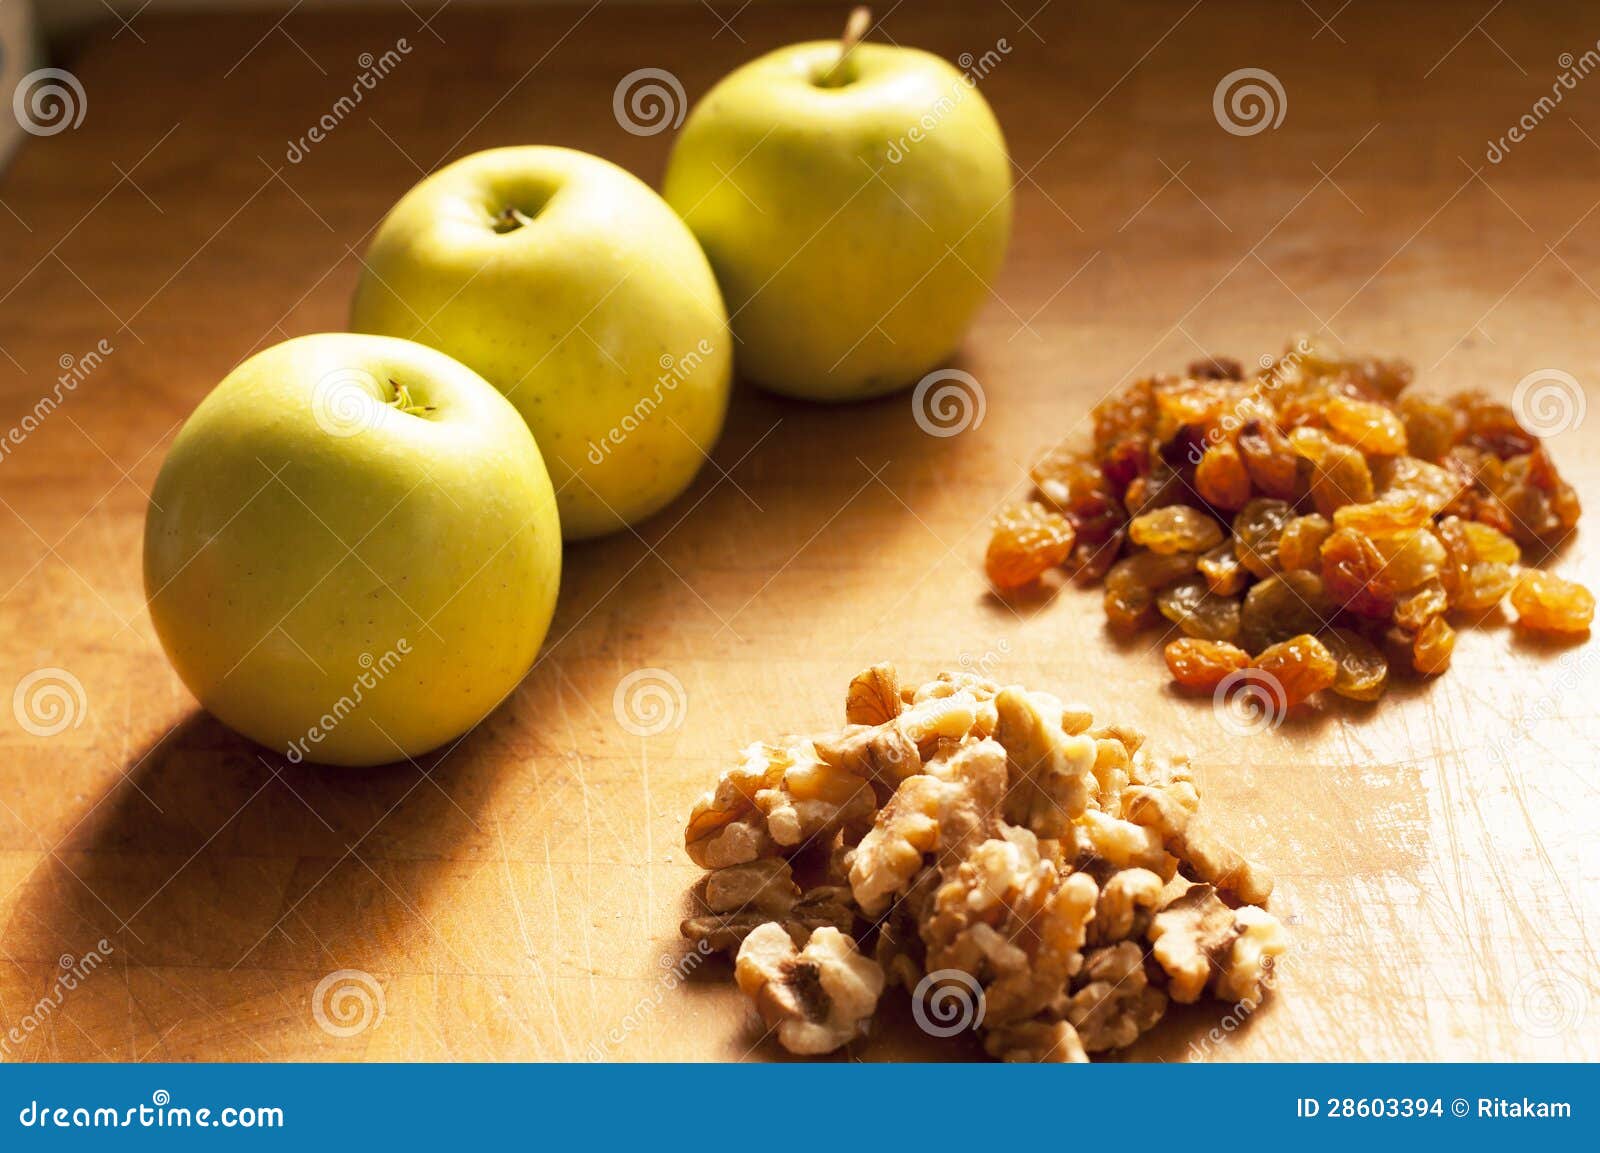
point(819, 997)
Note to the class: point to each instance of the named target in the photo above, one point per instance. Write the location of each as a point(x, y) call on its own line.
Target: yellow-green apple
point(856, 209)
point(571, 287)
point(352, 550)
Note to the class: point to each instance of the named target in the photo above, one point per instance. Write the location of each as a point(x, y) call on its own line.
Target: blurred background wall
point(64, 17)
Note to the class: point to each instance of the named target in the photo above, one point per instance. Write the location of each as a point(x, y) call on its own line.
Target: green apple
point(571, 287)
point(352, 550)
point(855, 208)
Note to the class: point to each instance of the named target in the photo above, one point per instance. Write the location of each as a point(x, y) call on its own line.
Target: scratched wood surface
point(519, 898)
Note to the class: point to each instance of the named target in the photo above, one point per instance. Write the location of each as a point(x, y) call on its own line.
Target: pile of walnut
point(996, 832)
point(1323, 521)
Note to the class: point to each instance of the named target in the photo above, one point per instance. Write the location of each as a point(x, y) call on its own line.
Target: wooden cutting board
point(519, 898)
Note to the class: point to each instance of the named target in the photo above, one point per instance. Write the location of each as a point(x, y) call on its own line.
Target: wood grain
point(518, 897)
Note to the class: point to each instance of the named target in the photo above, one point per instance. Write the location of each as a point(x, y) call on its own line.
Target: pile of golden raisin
point(1322, 521)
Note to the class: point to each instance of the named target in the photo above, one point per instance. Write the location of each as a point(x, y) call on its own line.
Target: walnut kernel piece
point(1050, 775)
point(1115, 1002)
point(776, 800)
point(741, 898)
point(1008, 917)
point(1126, 902)
point(817, 998)
point(1171, 811)
point(873, 696)
point(766, 885)
point(1199, 942)
point(1035, 1042)
point(939, 811)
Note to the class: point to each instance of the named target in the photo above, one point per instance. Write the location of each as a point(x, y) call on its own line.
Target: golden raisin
point(1192, 606)
point(1421, 605)
point(1302, 665)
point(1273, 467)
point(1255, 533)
point(1220, 477)
point(1363, 670)
point(1403, 477)
point(1483, 587)
point(1202, 664)
point(1430, 425)
point(1341, 477)
point(1384, 517)
point(1028, 541)
point(1300, 543)
point(1175, 528)
point(1223, 571)
point(1547, 603)
point(1311, 443)
point(1490, 544)
point(1133, 582)
point(1353, 575)
point(1372, 428)
point(1433, 646)
point(1281, 607)
point(1411, 559)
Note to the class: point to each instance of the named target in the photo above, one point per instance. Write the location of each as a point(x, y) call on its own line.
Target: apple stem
point(855, 30)
point(510, 220)
point(403, 402)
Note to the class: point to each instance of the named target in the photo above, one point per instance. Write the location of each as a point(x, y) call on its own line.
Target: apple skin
point(599, 318)
point(303, 540)
point(840, 284)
